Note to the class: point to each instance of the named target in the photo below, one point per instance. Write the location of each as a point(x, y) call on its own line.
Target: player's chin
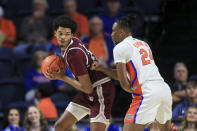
point(61, 45)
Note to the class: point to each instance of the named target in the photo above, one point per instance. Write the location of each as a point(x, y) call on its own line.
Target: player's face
point(116, 34)
point(13, 117)
point(63, 36)
point(192, 115)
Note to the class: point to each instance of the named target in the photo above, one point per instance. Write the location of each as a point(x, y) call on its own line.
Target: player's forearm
point(75, 84)
point(122, 75)
point(126, 86)
point(109, 72)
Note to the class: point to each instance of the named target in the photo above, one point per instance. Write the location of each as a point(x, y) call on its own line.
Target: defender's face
point(63, 36)
point(116, 34)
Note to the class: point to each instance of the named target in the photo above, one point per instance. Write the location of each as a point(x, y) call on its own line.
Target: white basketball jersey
point(139, 61)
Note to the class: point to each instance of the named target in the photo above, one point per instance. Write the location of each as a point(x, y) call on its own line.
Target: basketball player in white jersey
point(138, 74)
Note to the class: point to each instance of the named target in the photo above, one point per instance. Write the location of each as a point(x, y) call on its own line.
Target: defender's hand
point(95, 66)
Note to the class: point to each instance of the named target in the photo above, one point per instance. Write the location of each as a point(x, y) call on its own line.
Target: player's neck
point(66, 45)
point(127, 35)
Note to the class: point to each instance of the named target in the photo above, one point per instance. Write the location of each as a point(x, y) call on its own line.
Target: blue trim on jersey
point(138, 106)
point(135, 74)
point(136, 94)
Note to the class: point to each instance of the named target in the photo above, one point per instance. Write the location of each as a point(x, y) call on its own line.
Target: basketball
point(54, 62)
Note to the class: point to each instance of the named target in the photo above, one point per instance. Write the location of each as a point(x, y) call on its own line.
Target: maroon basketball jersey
point(79, 59)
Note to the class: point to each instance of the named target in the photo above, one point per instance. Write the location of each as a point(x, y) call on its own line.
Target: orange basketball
point(54, 62)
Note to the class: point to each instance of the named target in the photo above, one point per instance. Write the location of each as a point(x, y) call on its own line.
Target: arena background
point(168, 26)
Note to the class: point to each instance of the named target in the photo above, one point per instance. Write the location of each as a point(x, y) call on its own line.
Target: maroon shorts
point(98, 104)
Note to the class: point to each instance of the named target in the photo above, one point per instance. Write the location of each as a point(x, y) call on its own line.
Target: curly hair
point(44, 126)
point(184, 123)
point(66, 22)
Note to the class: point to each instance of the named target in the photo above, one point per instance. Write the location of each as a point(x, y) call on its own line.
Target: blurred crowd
point(26, 38)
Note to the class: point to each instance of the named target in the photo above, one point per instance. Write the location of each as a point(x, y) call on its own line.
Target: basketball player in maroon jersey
point(96, 89)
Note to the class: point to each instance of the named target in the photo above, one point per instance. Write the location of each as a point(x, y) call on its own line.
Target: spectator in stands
point(7, 31)
point(38, 27)
point(35, 121)
point(13, 120)
point(191, 92)
point(70, 7)
point(100, 43)
point(35, 76)
point(43, 93)
point(190, 120)
point(180, 76)
point(112, 13)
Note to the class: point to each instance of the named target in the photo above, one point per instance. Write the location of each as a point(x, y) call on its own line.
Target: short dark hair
point(127, 22)
point(66, 22)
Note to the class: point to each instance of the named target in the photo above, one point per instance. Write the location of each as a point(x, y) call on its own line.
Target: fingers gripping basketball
point(53, 62)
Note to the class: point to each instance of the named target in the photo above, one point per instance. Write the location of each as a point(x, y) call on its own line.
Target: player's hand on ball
point(55, 75)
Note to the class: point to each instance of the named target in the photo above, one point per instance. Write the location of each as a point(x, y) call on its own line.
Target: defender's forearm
point(126, 87)
point(110, 72)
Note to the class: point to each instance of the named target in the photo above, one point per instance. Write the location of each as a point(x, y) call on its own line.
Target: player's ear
point(55, 33)
point(121, 33)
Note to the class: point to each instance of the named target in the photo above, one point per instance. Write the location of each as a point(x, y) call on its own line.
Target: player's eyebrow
point(68, 32)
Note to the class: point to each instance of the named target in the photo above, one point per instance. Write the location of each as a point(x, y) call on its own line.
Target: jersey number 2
point(145, 57)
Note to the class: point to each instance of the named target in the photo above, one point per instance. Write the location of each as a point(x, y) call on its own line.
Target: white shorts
point(154, 102)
